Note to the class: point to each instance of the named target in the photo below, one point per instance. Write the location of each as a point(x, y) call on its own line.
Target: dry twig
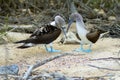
point(113, 58)
point(27, 74)
point(103, 68)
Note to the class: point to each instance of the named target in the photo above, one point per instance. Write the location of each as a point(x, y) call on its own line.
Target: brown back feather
point(47, 35)
point(94, 36)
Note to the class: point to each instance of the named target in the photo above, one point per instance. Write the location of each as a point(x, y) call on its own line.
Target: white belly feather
point(82, 32)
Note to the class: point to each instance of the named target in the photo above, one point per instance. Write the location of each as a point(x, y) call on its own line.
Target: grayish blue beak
point(64, 31)
point(69, 24)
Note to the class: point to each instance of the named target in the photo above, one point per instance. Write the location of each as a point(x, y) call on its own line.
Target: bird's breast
point(82, 32)
point(84, 39)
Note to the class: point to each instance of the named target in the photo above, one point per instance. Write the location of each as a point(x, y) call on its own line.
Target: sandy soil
point(78, 65)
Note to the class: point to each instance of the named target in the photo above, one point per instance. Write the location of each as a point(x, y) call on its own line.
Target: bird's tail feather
point(23, 47)
point(22, 41)
point(26, 45)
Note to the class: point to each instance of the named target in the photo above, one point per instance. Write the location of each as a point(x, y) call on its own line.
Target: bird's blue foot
point(51, 50)
point(78, 50)
point(82, 50)
point(87, 51)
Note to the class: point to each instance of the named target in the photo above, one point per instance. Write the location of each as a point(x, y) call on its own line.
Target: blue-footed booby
point(84, 35)
point(45, 35)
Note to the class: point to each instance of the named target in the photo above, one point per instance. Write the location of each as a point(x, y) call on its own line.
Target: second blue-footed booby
point(84, 35)
point(45, 35)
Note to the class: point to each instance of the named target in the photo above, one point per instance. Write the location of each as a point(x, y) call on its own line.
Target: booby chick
point(45, 35)
point(84, 35)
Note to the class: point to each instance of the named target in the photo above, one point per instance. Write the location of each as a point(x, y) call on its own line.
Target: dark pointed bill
point(69, 24)
point(64, 31)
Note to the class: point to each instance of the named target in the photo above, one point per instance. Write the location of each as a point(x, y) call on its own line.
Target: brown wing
point(42, 30)
point(44, 35)
point(93, 37)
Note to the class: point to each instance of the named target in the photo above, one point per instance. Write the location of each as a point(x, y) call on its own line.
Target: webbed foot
point(52, 50)
point(87, 51)
point(78, 50)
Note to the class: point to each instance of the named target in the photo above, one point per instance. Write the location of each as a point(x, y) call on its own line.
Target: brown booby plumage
point(45, 35)
point(83, 34)
point(93, 36)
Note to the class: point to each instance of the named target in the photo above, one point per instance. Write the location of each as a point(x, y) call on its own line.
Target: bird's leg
point(46, 48)
point(51, 49)
point(79, 49)
point(88, 50)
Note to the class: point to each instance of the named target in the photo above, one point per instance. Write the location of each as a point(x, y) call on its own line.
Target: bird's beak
point(64, 31)
point(69, 24)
